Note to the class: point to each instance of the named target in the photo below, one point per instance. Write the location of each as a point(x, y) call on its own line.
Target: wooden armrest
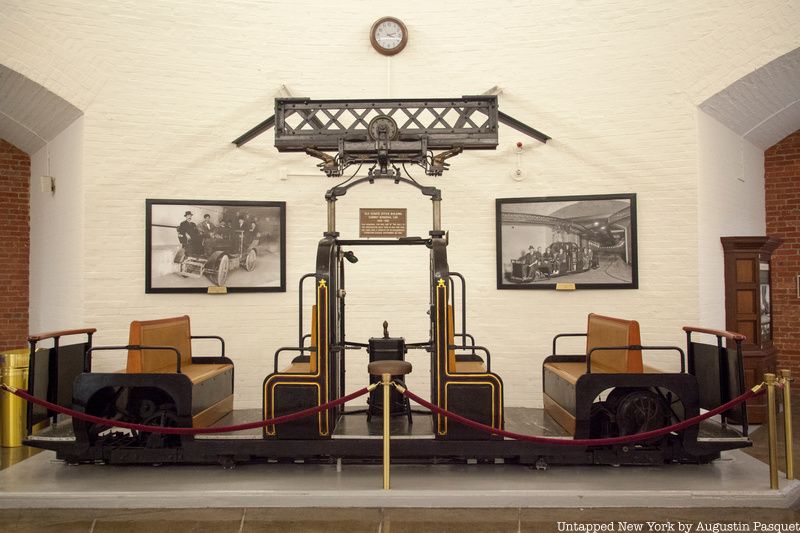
point(730, 335)
point(62, 333)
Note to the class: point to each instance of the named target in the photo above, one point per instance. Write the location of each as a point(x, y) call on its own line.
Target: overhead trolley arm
point(387, 132)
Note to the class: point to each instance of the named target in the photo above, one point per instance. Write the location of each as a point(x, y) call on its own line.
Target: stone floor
point(385, 519)
point(12, 456)
point(380, 520)
point(759, 436)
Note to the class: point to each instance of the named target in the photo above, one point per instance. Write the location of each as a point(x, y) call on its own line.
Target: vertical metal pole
point(437, 215)
point(31, 390)
point(787, 423)
point(769, 379)
point(332, 215)
point(386, 382)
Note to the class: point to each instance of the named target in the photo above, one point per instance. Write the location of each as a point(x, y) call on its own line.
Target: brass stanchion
point(386, 380)
point(769, 379)
point(387, 369)
point(787, 423)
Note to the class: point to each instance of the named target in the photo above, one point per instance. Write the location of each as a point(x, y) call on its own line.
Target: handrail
point(56, 336)
point(634, 347)
point(62, 333)
point(479, 348)
point(566, 335)
point(465, 336)
point(291, 349)
point(463, 306)
point(141, 347)
point(730, 335)
point(220, 339)
point(738, 339)
point(300, 307)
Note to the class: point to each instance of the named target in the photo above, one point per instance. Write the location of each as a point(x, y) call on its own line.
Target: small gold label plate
point(565, 286)
point(218, 290)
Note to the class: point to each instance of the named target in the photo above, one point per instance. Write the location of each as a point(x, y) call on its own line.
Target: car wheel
point(222, 270)
point(250, 261)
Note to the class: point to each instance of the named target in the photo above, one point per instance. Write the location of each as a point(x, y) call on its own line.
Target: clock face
point(389, 35)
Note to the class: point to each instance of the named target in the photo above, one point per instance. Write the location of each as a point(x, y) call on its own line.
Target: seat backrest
point(451, 336)
point(173, 332)
point(609, 331)
point(314, 355)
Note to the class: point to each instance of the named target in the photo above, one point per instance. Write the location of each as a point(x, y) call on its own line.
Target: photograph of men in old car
point(194, 245)
point(586, 240)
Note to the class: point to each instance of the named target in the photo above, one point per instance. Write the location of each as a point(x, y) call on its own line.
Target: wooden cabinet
point(748, 302)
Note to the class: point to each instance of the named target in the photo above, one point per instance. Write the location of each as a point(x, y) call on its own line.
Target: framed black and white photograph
point(588, 241)
point(215, 246)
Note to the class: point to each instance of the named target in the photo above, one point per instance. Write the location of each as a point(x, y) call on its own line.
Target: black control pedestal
point(387, 349)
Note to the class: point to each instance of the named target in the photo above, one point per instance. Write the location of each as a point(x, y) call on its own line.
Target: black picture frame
point(553, 242)
point(179, 259)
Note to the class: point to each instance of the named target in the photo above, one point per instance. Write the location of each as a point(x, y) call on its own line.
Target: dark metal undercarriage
point(358, 441)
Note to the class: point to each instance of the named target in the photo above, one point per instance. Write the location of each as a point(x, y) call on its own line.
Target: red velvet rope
point(186, 431)
point(628, 439)
point(344, 399)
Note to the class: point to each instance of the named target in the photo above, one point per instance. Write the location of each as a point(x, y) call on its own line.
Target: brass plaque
point(218, 290)
point(565, 286)
point(382, 222)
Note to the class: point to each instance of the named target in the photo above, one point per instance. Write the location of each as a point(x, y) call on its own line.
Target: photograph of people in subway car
point(589, 241)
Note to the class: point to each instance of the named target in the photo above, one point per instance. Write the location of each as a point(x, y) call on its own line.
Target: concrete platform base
point(737, 480)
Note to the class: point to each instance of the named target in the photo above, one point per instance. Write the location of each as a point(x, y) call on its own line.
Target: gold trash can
point(13, 409)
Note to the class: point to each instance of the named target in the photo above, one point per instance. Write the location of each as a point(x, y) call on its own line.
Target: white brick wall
point(731, 199)
point(165, 86)
point(56, 251)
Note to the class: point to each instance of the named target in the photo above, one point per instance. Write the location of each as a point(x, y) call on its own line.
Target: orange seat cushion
point(173, 332)
point(297, 368)
point(196, 373)
point(570, 372)
point(471, 367)
point(609, 331)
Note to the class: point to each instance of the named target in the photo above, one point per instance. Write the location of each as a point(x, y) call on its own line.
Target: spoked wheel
point(164, 416)
point(628, 411)
point(150, 406)
point(637, 410)
point(222, 271)
point(153, 407)
point(108, 402)
point(250, 260)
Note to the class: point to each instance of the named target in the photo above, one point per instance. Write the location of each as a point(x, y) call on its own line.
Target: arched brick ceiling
point(30, 115)
point(764, 106)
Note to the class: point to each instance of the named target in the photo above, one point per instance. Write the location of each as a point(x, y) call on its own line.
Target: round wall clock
point(388, 35)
